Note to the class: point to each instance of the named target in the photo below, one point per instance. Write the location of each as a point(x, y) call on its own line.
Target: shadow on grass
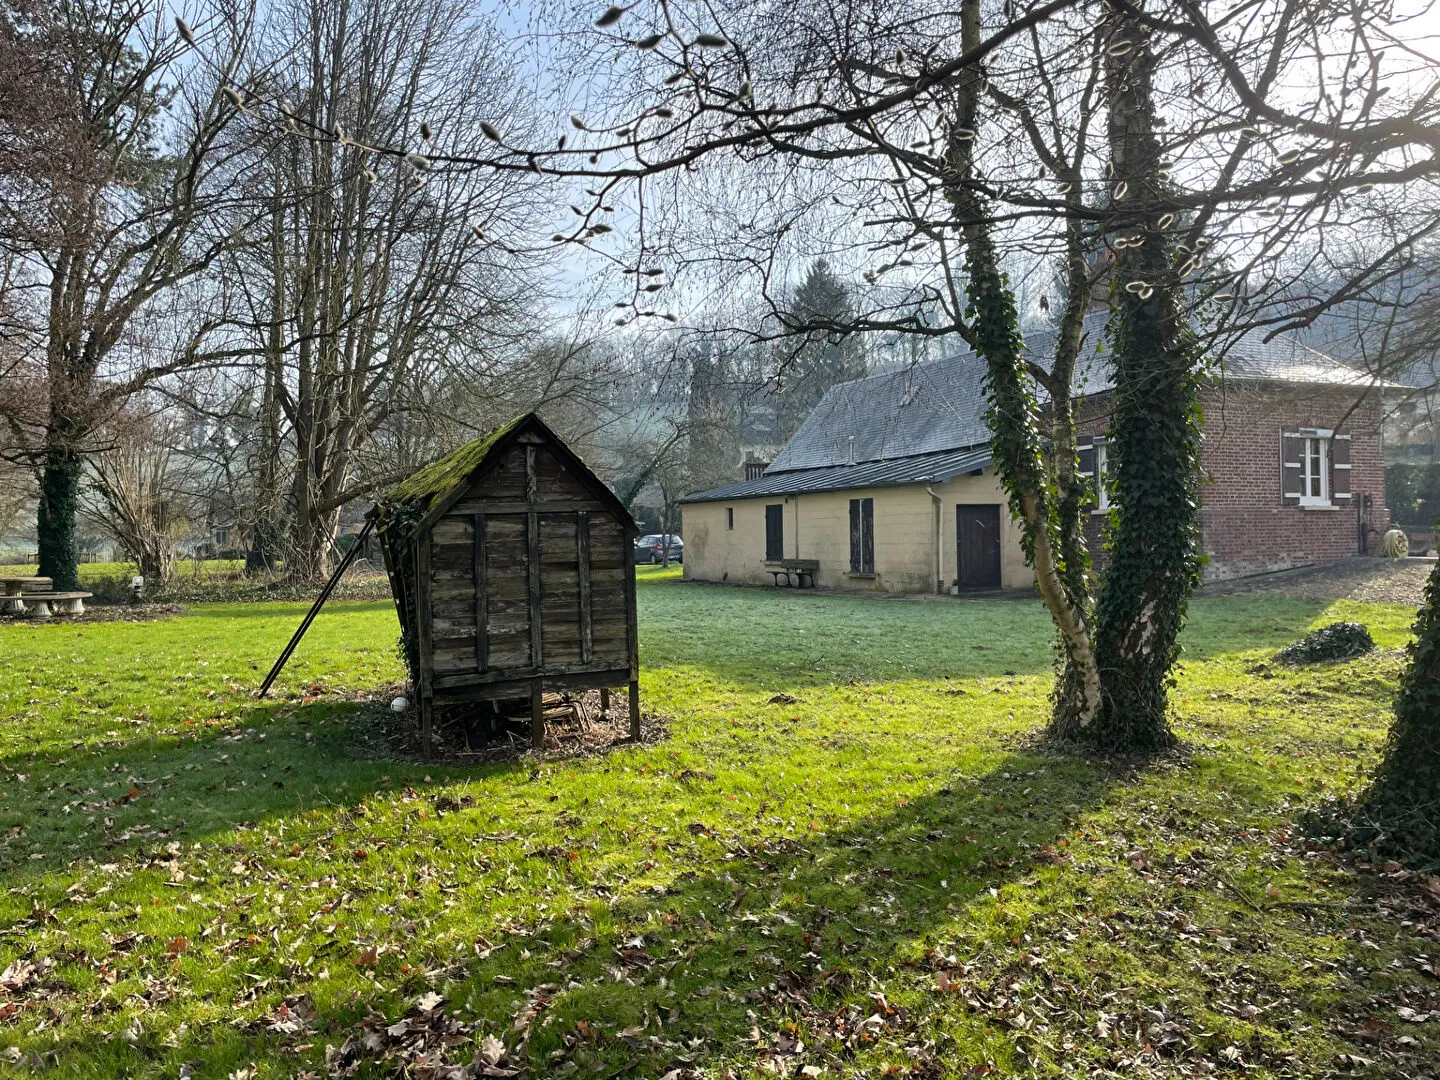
point(279, 760)
point(781, 940)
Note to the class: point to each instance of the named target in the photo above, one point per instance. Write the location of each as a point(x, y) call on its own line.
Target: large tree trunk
point(69, 373)
point(1403, 801)
point(55, 517)
point(1014, 416)
point(1155, 425)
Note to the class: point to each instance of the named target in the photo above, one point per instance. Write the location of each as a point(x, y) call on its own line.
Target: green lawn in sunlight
point(848, 857)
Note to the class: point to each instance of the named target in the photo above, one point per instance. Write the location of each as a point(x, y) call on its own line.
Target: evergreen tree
point(824, 352)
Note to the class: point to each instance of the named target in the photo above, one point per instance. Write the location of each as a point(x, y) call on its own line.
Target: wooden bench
point(796, 573)
point(42, 605)
point(14, 588)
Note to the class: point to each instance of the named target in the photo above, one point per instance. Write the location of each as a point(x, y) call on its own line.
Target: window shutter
point(1290, 447)
point(855, 537)
point(1340, 467)
point(867, 536)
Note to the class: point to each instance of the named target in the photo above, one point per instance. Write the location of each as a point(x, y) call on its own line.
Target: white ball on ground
point(399, 705)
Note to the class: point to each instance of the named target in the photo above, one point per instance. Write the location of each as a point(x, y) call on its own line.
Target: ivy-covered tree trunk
point(1403, 801)
point(1154, 437)
point(1013, 413)
point(1019, 455)
point(55, 516)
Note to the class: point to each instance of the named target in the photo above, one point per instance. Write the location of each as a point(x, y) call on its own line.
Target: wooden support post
point(635, 710)
point(537, 716)
point(309, 615)
point(605, 700)
point(532, 589)
point(427, 727)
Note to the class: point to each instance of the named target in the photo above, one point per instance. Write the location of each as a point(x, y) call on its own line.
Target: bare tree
point(140, 486)
point(104, 225)
point(368, 277)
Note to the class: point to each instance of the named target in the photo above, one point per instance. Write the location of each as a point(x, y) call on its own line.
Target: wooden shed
point(513, 571)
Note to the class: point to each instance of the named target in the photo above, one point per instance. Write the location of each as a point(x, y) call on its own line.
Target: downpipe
point(935, 531)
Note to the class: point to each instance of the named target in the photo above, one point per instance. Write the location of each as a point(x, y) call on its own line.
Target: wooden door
point(977, 546)
point(775, 532)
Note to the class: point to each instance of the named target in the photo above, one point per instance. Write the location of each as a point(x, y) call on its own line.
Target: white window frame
point(1315, 451)
point(1102, 490)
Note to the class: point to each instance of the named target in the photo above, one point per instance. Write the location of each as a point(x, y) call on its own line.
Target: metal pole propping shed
point(315, 608)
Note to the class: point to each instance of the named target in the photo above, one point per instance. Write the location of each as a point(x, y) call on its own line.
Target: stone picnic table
point(16, 592)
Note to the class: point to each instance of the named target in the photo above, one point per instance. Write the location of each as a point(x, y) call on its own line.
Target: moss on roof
point(438, 479)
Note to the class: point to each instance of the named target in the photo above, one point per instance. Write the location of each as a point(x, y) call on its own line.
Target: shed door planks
point(608, 595)
point(507, 597)
point(559, 590)
point(495, 560)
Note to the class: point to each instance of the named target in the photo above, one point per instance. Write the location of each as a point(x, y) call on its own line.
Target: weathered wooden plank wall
point(526, 582)
point(528, 585)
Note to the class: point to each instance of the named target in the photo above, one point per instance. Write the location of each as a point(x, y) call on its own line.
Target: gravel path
point(1385, 581)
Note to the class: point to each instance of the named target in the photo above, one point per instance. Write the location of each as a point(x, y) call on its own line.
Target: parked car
point(651, 549)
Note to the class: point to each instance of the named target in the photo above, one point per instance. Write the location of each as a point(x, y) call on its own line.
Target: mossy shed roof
point(411, 501)
point(440, 478)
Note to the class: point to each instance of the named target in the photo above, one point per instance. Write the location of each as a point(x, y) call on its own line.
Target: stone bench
point(42, 605)
point(14, 588)
point(796, 573)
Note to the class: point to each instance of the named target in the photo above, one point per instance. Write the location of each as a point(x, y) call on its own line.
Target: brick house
point(888, 486)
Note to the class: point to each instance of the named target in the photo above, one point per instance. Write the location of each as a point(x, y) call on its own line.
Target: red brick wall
point(1244, 528)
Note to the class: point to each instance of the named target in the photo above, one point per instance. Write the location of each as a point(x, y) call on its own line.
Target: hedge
point(1413, 494)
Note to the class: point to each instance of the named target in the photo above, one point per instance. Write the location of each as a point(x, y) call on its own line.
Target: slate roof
point(919, 469)
point(940, 405)
point(901, 426)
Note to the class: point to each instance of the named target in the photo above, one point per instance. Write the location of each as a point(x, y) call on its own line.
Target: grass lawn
point(217, 581)
point(104, 572)
point(881, 877)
